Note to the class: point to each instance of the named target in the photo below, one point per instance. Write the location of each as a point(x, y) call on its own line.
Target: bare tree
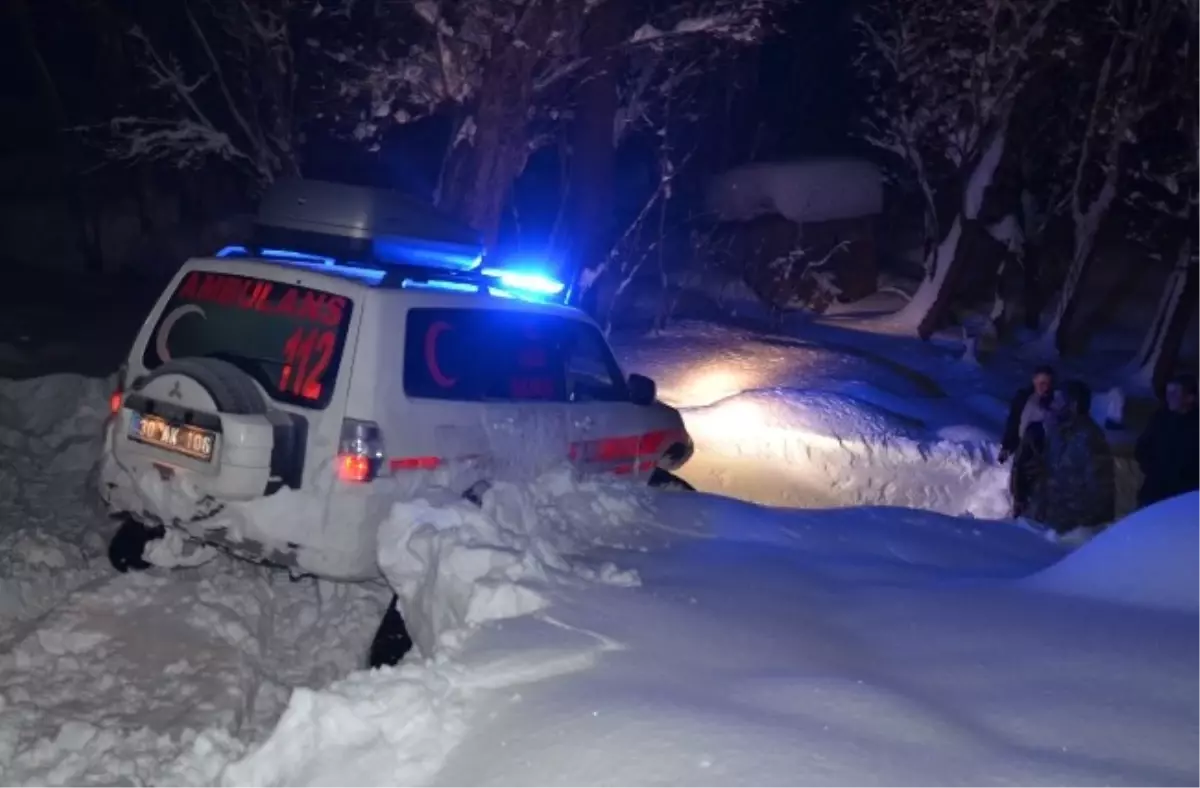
point(234, 101)
point(946, 79)
point(510, 69)
point(1120, 96)
point(1168, 186)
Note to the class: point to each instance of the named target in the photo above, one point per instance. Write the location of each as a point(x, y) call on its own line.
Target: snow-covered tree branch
point(1167, 187)
point(233, 100)
point(945, 81)
point(510, 70)
point(1133, 80)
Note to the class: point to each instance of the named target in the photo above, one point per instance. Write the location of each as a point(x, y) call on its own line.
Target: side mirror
point(642, 390)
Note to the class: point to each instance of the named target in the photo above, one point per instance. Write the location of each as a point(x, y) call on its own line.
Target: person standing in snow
point(1079, 485)
point(1029, 407)
point(1029, 468)
point(1168, 451)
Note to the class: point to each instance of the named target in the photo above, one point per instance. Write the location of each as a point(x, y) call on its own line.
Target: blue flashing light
point(440, 284)
point(519, 284)
point(311, 261)
point(526, 281)
point(413, 251)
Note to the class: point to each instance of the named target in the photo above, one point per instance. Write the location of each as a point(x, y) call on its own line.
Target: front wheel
point(665, 480)
point(392, 640)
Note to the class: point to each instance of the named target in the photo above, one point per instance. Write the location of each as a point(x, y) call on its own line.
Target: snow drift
point(1147, 559)
point(825, 448)
point(50, 437)
point(455, 566)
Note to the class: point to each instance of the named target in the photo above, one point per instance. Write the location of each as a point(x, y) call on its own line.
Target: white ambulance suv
point(357, 340)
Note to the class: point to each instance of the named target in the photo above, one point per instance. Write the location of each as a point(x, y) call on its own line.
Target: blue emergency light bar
point(382, 238)
point(524, 285)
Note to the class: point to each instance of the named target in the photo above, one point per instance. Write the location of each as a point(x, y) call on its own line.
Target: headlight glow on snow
point(707, 385)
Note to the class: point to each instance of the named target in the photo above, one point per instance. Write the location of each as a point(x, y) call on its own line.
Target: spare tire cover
point(229, 389)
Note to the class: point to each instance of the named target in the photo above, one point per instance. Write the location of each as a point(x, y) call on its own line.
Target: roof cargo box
point(362, 224)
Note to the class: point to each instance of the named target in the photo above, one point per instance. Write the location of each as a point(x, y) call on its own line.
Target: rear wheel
point(665, 480)
point(129, 542)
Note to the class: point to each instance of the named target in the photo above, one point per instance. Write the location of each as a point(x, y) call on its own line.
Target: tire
point(129, 542)
point(392, 640)
point(231, 389)
point(665, 480)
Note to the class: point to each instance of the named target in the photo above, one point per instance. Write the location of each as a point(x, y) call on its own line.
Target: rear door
point(290, 336)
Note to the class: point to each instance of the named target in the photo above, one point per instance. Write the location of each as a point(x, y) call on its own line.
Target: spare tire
point(231, 389)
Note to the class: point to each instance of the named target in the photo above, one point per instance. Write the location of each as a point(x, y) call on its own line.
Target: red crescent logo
point(431, 362)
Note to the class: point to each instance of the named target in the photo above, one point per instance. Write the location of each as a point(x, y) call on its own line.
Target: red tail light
point(361, 454)
point(117, 398)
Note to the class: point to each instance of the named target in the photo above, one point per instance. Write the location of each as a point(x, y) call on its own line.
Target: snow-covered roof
point(812, 190)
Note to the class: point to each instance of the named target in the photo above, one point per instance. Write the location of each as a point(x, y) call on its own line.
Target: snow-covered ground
point(593, 633)
point(840, 418)
point(785, 422)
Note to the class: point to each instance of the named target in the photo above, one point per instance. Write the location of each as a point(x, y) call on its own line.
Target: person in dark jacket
point(1168, 451)
point(1029, 404)
point(1078, 488)
point(1029, 469)
point(1027, 409)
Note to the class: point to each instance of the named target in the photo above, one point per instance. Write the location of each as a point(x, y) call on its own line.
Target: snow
point(760, 647)
point(49, 438)
point(1147, 559)
point(815, 190)
point(786, 422)
point(589, 632)
point(820, 448)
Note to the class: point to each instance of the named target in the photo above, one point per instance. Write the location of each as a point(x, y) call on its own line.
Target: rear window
point(288, 338)
point(478, 355)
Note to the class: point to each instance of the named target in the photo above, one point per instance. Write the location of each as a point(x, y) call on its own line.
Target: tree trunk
point(927, 310)
point(1160, 349)
point(1087, 226)
point(1031, 289)
point(591, 174)
point(485, 164)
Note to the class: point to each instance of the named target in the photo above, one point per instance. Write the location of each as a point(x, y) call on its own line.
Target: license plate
point(179, 438)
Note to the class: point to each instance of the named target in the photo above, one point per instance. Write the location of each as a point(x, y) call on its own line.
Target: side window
point(592, 374)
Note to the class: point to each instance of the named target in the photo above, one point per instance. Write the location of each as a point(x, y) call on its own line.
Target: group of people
point(1062, 466)
point(1063, 473)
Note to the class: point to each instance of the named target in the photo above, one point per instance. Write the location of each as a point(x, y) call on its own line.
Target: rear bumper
point(329, 536)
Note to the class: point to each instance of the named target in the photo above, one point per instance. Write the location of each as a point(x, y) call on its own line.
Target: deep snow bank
point(828, 448)
point(1147, 559)
point(844, 647)
point(455, 566)
point(50, 437)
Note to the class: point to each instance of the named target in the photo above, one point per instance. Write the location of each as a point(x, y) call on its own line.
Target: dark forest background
point(1039, 157)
